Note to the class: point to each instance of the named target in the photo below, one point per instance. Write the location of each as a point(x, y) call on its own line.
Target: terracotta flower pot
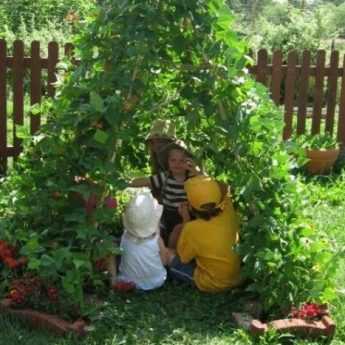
point(321, 161)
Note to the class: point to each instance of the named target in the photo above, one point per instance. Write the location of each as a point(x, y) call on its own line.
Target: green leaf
point(95, 52)
point(35, 109)
point(47, 260)
point(34, 264)
point(77, 217)
point(32, 246)
point(22, 132)
point(101, 136)
point(78, 263)
point(96, 102)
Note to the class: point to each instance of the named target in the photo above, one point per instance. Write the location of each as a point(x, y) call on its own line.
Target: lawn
point(178, 315)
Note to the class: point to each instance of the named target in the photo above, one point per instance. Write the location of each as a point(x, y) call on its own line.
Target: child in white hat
point(143, 253)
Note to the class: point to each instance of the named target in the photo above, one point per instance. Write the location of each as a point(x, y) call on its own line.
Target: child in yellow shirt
point(205, 254)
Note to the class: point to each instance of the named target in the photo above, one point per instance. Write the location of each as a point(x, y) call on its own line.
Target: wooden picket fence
point(312, 95)
point(40, 75)
point(323, 103)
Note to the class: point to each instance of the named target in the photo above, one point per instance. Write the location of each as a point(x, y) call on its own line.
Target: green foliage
point(178, 60)
point(37, 14)
point(317, 142)
point(292, 29)
point(290, 25)
point(42, 20)
point(61, 34)
point(335, 18)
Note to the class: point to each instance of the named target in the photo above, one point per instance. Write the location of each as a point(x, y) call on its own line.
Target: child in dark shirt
point(170, 182)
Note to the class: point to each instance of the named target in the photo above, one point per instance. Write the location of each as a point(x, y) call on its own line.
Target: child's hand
point(190, 166)
point(184, 212)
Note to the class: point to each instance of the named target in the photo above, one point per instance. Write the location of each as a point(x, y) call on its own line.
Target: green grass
point(182, 316)
point(327, 209)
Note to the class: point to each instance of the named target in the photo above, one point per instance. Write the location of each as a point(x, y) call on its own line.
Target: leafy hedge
point(42, 20)
point(37, 14)
point(168, 59)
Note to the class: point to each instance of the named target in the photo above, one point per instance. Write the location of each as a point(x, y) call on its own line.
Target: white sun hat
point(142, 215)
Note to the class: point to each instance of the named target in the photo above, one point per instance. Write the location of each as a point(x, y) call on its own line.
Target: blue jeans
point(182, 272)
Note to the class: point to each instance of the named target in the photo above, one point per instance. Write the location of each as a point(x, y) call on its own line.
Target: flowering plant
point(8, 256)
point(309, 311)
point(30, 290)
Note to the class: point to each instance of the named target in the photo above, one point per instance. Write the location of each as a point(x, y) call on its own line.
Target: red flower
point(16, 296)
point(53, 294)
point(110, 202)
point(309, 311)
point(10, 262)
point(6, 250)
point(6, 253)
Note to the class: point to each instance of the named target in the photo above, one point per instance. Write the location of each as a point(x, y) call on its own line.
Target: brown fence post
point(289, 94)
point(53, 55)
point(35, 120)
point(332, 91)
point(261, 72)
point(3, 109)
point(18, 91)
point(318, 94)
point(303, 93)
point(276, 76)
point(341, 125)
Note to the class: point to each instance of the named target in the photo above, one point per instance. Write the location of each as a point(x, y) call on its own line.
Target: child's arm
point(140, 182)
point(184, 212)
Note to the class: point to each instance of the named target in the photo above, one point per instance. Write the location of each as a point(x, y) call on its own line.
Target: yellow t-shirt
point(210, 243)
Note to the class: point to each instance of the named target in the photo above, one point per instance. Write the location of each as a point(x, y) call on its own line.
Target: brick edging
point(323, 327)
point(44, 320)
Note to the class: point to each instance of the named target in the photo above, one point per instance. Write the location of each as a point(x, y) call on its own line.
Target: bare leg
point(174, 236)
point(165, 253)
